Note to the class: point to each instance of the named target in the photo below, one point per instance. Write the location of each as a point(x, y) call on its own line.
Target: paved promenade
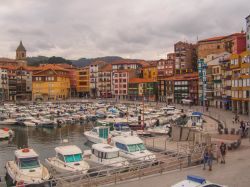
point(235, 173)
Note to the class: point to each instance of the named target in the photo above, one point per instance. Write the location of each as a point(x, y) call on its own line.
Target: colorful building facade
point(141, 88)
point(83, 82)
point(50, 83)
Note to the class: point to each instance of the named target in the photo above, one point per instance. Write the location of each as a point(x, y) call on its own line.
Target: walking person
point(210, 159)
point(223, 149)
point(205, 159)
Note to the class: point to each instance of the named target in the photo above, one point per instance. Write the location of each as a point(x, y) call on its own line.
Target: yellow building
point(240, 66)
point(150, 71)
point(50, 82)
point(83, 87)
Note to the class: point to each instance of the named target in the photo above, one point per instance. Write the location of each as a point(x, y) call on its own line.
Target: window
point(60, 157)
point(29, 163)
point(73, 158)
point(121, 146)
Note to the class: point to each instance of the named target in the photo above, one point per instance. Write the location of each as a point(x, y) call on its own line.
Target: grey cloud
point(90, 28)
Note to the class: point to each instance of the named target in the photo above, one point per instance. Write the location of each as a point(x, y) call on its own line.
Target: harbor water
point(42, 140)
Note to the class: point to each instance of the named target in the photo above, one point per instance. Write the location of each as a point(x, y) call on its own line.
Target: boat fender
point(25, 150)
point(20, 184)
point(109, 140)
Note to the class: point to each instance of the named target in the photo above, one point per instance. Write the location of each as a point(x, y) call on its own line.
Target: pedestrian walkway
point(235, 173)
point(219, 114)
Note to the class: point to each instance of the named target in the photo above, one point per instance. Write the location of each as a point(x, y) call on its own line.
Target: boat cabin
point(129, 143)
point(69, 153)
point(104, 151)
point(26, 159)
point(103, 132)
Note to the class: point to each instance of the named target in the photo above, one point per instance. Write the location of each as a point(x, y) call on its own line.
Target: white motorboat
point(132, 148)
point(98, 135)
point(8, 121)
point(26, 169)
point(6, 133)
point(68, 159)
point(31, 122)
point(104, 154)
point(159, 130)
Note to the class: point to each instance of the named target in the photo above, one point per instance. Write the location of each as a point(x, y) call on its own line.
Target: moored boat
point(68, 159)
point(26, 169)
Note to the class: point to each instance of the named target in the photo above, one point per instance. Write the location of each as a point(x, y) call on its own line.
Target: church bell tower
point(20, 52)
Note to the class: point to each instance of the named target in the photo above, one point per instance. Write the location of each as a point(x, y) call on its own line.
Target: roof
point(141, 80)
point(190, 76)
point(104, 148)
point(68, 150)
point(222, 37)
point(53, 67)
point(98, 62)
point(21, 153)
point(151, 64)
point(130, 61)
point(212, 39)
point(9, 67)
point(105, 68)
point(127, 139)
point(21, 47)
point(66, 66)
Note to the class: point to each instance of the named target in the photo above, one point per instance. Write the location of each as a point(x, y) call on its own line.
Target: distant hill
point(36, 61)
point(86, 61)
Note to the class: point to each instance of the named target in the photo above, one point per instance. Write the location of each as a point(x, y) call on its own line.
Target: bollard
point(189, 160)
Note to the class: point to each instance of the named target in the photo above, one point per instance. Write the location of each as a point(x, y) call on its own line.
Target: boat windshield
point(136, 147)
point(29, 163)
point(111, 155)
point(73, 158)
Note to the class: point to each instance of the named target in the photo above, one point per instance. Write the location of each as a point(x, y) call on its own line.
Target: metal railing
point(165, 161)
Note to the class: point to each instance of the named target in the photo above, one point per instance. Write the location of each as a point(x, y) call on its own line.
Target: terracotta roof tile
point(141, 80)
point(191, 76)
point(105, 68)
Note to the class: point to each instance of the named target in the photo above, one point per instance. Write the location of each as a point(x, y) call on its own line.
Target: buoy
point(109, 140)
point(25, 150)
point(20, 184)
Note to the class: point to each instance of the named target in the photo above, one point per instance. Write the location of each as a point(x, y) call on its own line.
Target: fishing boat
point(132, 148)
point(106, 155)
point(6, 133)
point(26, 169)
point(98, 135)
point(68, 159)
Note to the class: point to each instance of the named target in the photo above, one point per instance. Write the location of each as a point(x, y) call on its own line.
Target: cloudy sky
point(144, 29)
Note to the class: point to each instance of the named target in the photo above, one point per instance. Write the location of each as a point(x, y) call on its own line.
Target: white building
point(93, 74)
point(3, 84)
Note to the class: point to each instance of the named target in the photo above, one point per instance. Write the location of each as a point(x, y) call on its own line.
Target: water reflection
point(42, 140)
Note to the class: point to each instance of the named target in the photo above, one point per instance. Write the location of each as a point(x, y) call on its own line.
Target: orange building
point(50, 82)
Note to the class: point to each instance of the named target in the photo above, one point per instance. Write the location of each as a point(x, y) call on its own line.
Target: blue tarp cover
point(197, 114)
point(196, 179)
